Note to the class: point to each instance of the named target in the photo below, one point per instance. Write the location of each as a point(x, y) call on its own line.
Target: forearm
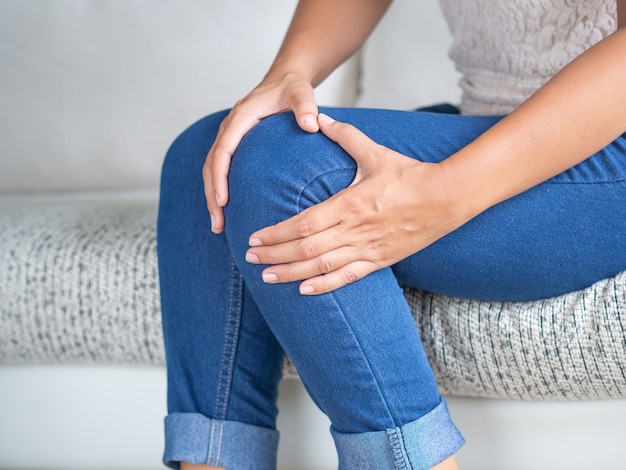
point(324, 33)
point(577, 113)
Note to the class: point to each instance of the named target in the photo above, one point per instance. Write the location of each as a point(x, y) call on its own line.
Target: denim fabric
point(356, 349)
point(424, 442)
point(198, 439)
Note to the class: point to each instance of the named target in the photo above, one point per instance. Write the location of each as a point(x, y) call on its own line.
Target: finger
point(308, 222)
point(220, 167)
point(334, 280)
point(302, 249)
point(215, 211)
point(301, 100)
point(323, 264)
point(356, 143)
point(231, 131)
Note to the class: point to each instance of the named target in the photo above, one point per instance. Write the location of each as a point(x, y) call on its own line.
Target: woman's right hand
point(275, 94)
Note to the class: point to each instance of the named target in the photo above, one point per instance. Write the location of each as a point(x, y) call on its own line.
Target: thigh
point(557, 237)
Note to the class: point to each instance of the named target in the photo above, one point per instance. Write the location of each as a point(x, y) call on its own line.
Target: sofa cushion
point(78, 281)
point(78, 284)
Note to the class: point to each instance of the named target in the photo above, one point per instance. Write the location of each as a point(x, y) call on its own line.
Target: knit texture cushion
point(78, 284)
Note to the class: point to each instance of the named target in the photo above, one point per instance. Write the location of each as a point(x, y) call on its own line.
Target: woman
point(315, 219)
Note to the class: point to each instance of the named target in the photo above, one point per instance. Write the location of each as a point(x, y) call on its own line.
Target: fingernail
point(255, 242)
point(309, 120)
point(252, 258)
point(270, 277)
point(325, 119)
point(212, 225)
point(307, 290)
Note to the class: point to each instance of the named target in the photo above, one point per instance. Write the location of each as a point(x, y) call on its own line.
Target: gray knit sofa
point(79, 283)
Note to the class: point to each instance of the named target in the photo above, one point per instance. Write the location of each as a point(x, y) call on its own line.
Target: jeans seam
point(214, 423)
point(219, 444)
point(228, 358)
point(400, 456)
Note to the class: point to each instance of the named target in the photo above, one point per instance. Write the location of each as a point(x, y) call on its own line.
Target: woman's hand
point(274, 95)
point(394, 207)
point(322, 34)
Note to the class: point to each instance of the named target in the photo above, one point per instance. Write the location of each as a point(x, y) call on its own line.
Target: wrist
point(439, 197)
point(298, 65)
point(468, 193)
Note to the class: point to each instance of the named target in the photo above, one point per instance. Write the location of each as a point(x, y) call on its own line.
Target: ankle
point(198, 466)
point(449, 464)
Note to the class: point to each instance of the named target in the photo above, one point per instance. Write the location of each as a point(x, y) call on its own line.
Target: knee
point(269, 149)
point(277, 159)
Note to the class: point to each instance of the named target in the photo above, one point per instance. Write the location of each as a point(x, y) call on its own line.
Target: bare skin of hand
point(273, 95)
point(395, 207)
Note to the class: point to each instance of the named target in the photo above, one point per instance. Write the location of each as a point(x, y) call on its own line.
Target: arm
point(322, 34)
point(578, 112)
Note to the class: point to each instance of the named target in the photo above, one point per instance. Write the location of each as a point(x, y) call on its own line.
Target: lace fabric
point(507, 49)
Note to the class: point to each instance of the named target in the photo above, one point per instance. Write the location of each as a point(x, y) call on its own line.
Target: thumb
point(360, 147)
point(302, 102)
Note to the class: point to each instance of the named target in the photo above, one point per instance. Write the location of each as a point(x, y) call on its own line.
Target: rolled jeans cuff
point(194, 438)
point(419, 445)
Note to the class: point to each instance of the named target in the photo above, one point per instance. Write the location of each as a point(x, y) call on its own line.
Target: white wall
point(92, 93)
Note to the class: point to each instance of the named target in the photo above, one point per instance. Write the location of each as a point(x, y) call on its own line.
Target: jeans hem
point(195, 438)
point(418, 445)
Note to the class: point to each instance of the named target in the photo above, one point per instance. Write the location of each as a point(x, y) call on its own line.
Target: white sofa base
point(109, 417)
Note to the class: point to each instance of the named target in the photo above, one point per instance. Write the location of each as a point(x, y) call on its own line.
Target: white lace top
point(507, 49)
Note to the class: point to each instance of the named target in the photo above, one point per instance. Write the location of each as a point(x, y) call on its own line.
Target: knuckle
point(241, 102)
point(303, 228)
point(355, 205)
point(226, 122)
point(349, 276)
point(349, 129)
point(306, 250)
point(206, 170)
point(324, 265)
point(302, 97)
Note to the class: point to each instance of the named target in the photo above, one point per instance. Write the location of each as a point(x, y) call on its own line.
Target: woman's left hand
point(395, 207)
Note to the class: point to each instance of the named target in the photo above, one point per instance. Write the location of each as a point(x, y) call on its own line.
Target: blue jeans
point(356, 349)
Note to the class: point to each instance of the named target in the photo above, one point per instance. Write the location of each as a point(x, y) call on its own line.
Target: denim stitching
point(228, 355)
point(398, 449)
point(219, 444)
point(216, 412)
point(212, 434)
point(231, 365)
